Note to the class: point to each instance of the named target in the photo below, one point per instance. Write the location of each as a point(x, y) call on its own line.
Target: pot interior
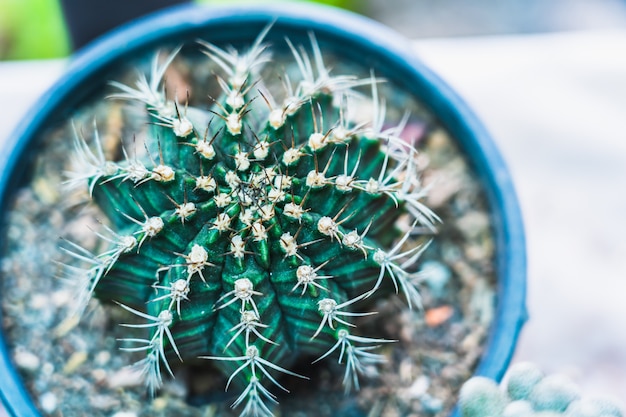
point(464, 269)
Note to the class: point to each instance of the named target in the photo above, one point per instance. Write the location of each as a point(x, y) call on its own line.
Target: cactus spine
point(251, 233)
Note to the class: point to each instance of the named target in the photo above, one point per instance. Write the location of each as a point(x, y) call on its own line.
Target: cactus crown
point(250, 233)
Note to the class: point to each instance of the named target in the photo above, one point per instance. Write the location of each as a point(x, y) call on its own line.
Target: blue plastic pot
point(355, 37)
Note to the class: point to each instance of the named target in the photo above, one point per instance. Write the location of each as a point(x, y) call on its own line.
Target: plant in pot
point(256, 209)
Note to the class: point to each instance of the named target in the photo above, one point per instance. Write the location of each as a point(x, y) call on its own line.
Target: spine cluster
point(249, 233)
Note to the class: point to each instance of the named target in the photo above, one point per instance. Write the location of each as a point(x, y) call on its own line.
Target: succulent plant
point(255, 231)
point(481, 397)
point(527, 393)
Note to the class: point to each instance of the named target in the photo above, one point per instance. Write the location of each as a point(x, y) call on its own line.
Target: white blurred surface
point(447, 18)
point(556, 106)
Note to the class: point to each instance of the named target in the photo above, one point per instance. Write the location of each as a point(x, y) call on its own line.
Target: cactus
point(257, 231)
point(553, 393)
point(522, 378)
point(481, 397)
point(528, 393)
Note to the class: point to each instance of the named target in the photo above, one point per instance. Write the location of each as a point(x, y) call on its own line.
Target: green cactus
point(481, 397)
point(250, 233)
point(553, 393)
point(522, 378)
point(527, 393)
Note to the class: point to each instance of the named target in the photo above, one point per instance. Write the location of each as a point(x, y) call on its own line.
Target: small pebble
point(476, 252)
point(39, 301)
point(405, 371)
point(431, 404)
point(26, 360)
point(99, 375)
point(473, 224)
point(62, 297)
point(436, 275)
point(418, 388)
point(48, 402)
point(46, 192)
point(66, 326)
point(47, 369)
point(102, 358)
point(159, 404)
point(74, 362)
point(125, 414)
point(437, 316)
point(104, 402)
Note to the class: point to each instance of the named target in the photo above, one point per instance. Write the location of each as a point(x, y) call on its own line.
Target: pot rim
point(366, 36)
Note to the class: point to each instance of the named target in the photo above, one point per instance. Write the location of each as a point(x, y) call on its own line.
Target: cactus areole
point(259, 228)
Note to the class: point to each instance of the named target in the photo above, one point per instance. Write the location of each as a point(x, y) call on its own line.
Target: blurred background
point(35, 29)
point(548, 78)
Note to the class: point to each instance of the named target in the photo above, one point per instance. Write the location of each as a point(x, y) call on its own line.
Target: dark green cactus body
point(291, 316)
point(250, 237)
